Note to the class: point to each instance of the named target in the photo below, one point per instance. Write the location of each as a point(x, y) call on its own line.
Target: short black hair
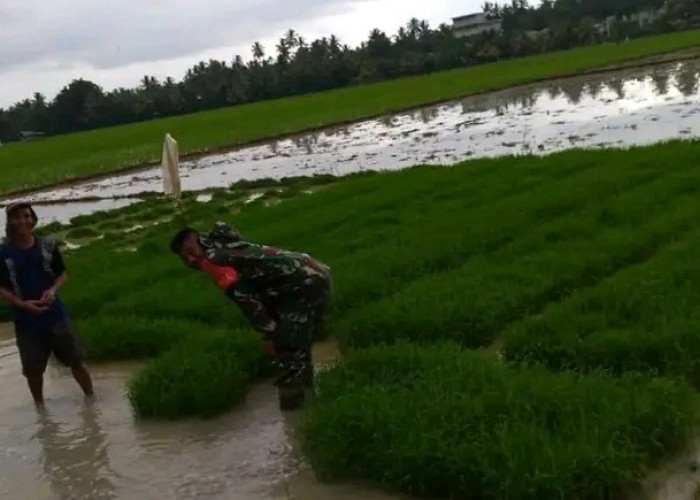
point(178, 240)
point(12, 209)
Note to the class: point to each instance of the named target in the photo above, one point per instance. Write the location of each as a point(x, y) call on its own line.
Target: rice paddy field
point(512, 328)
point(54, 160)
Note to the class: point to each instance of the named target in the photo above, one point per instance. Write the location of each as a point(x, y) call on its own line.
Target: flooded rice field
point(96, 450)
point(620, 108)
point(78, 449)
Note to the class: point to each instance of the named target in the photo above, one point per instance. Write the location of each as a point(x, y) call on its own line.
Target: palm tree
point(258, 51)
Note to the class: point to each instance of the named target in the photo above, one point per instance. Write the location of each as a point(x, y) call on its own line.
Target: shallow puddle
point(619, 108)
point(92, 450)
point(97, 450)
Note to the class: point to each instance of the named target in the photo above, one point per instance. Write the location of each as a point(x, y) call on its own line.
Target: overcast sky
point(46, 43)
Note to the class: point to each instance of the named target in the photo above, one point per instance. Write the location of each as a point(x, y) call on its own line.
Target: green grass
point(440, 422)
point(577, 262)
point(54, 160)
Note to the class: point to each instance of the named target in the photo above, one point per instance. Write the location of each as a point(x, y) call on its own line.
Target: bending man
point(283, 294)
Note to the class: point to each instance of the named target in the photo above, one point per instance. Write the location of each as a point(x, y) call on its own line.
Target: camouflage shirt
point(266, 273)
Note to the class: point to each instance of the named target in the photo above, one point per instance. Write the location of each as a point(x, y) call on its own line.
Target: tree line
point(297, 66)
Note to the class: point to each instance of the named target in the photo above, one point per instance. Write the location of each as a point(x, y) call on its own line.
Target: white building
point(474, 24)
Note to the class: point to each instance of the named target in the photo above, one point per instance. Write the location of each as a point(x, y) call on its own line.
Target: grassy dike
point(86, 154)
point(578, 267)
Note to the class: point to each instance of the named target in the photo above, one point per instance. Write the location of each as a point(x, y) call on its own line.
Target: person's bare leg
point(82, 376)
point(36, 387)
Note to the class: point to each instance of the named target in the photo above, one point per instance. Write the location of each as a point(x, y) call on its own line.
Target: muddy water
point(90, 450)
point(625, 107)
point(78, 449)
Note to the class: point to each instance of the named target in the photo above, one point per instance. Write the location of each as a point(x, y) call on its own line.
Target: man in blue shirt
point(31, 273)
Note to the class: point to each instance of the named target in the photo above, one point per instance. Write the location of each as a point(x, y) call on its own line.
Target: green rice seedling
point(115, 338)
point(92, 219)
point(189, 296)
point(289, 192)
point(223, 195)
point(53, 160)
point(51, 229)
point(150, 214)
point(205, 374)
point(98, 277)
point(642, 319)
point(472, 303)
point(111, 225)
point(446, 241)
point(270, 194)
point(431, 201)
point(440, 422)
point(82, 232)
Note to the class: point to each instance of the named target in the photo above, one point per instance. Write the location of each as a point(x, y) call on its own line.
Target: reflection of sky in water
point(628, 107)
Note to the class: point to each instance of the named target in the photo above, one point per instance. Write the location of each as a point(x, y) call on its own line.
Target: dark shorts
point(36, 347)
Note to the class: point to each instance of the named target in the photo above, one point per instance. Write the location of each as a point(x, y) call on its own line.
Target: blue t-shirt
point(24, 272)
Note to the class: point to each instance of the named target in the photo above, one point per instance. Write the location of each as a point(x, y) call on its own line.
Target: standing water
point(98, 450)
point(616, 109)
point(92, 450)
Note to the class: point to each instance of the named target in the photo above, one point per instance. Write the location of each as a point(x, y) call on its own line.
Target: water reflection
point(75, 460)
point(627, 107)
point(687, 79)
point(660, 79)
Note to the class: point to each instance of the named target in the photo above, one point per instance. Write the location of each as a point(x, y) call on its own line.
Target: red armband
point(224, 276)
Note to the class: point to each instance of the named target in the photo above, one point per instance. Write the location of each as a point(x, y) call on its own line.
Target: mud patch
point(82, 450)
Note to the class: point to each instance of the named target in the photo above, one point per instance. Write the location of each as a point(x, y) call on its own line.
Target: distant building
point(474, 24)
point(642, 18)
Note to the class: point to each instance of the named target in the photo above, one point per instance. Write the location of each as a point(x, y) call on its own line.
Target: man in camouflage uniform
point(283, 294)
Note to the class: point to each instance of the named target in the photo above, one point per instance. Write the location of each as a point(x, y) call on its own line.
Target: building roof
point(467, 16)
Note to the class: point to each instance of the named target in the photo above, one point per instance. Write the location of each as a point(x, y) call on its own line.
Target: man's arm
point(246, 298)
point(253, 308)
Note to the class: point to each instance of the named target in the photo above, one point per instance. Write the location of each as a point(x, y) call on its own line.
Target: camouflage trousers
point(299, 320)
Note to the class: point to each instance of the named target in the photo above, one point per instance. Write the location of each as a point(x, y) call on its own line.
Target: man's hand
point(34, 306)
point(48, 297)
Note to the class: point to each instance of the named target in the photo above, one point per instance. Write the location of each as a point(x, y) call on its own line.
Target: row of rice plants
point(644, 319)
point(447, 241)
point(173, 295)
point(472, 303)
point(203, 375)
point(132, 337)
point(442, 422)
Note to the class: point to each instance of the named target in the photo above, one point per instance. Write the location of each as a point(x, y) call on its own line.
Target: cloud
point(44, 44)
point(110, 34)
